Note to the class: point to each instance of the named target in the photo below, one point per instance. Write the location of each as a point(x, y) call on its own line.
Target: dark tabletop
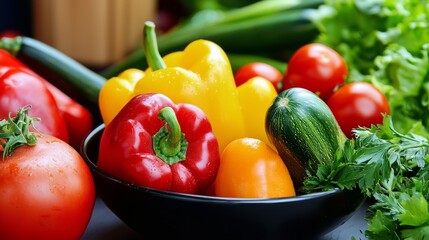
point(104, 225)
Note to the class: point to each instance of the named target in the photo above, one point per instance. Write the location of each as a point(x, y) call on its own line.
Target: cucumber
point(264, 28)
point(304, 131)
point(72, 74)
point(261, 34)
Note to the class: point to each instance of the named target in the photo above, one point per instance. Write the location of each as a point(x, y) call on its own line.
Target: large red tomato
point(46, 192)
point(317, 68)
point(358, 104)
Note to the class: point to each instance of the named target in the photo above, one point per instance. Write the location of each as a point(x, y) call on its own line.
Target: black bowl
point(159, 214)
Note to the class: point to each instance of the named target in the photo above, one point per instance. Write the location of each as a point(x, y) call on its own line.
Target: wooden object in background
point(96, 32)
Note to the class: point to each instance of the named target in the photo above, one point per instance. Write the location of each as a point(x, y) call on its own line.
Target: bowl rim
point(194, 197)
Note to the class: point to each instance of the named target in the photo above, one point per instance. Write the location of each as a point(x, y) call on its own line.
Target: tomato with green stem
point(316, 67)
point(358, 104)
point(46, 189)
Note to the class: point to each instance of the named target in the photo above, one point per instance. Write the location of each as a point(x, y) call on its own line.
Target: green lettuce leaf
point(362, 29)
point(403, 78)
point(385, 42)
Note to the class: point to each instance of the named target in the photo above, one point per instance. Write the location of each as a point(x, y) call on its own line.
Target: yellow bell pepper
point(256, 96)
point(116, 92)
point(200, 75)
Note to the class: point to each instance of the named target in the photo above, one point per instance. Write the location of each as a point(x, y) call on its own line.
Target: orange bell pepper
point(249, 168)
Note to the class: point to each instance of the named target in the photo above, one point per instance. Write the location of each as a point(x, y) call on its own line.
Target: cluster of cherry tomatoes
point(323, 71)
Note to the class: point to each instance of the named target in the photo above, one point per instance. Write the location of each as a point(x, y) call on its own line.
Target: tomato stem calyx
point(14, 131)
point(12, 45)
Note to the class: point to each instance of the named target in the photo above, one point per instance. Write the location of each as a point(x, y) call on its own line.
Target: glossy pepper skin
point(251, 169)
point(78, 119)
point(116, 92)
point(183, 158)
point(256, 96)
point(200, 75)
point(20, 87)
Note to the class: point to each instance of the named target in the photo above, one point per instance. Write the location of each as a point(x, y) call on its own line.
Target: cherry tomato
point(46, 192)
point(317, 68)
point(259, 69)
point(249, 168)
point(358, 104)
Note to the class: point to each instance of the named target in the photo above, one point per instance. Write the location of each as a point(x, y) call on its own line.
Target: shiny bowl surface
point(159, 214)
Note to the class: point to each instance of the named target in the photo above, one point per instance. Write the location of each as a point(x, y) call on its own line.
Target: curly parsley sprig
point(390, 167)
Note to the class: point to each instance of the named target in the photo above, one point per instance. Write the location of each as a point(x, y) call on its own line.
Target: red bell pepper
point(78, 119)
point(20, 88)
point(154, 143)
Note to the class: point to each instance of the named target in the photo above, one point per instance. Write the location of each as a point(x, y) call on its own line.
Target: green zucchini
point(73, 74)
point(304, 131)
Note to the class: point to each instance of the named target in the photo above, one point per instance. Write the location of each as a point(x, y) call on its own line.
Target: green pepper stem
point(150, 47)
point(169, 142)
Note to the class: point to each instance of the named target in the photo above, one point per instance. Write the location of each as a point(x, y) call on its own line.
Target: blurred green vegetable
point(198, 5)
point(265, 28)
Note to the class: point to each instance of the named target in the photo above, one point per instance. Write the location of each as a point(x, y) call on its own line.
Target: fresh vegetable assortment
point(304, 132)
point(391, 168)
point(16, 84)
point(154, 143)
point(321, 70)
point(46, 189)
point(63, 117)
point(384, 43)
point(349, 112)
point(61, 69)
point(264, 28)
point(200, 75)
